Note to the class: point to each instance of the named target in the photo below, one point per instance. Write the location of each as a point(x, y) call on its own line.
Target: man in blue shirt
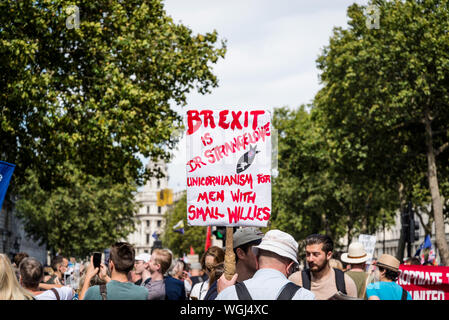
point(387, 271)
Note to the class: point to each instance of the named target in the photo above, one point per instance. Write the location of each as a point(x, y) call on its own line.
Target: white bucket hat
point(356, 254)
point(280, 243)
point(145, 257)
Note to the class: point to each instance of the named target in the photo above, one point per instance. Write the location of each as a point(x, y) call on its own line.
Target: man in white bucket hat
point(356, 258)
point(276, 260)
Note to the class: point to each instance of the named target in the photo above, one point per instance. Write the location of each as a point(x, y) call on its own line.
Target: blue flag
point(155, 235)
point(425, 245)
point(6, 170)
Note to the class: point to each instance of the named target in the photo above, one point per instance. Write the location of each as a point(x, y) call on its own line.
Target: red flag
point(192, 252)
point(208, 239)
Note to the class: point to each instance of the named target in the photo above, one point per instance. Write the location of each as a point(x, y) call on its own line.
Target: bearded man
point(320, 278)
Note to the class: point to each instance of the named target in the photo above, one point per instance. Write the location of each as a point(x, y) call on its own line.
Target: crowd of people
point(267, 268)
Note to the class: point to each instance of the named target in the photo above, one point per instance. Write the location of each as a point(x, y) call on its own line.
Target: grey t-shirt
point(118, 291)
point(156, 290)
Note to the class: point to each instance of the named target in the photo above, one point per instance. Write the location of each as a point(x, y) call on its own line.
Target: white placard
point(228, 167)
point(369, 243)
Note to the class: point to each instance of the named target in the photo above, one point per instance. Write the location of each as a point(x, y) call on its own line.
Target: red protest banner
point(425, 282)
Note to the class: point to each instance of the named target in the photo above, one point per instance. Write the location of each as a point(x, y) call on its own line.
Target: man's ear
point(329, 255)
point(240, 253)
point(287, 269)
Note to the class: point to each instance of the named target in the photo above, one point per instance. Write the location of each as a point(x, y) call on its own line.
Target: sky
point(272, 47)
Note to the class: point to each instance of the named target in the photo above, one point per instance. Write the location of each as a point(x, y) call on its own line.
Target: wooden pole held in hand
point(229, 263)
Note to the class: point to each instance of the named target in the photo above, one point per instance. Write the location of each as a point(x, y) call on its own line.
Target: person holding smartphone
point(117, 286)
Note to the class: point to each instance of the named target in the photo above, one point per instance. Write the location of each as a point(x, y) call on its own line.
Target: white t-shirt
point(199, 290)
point(65, 293)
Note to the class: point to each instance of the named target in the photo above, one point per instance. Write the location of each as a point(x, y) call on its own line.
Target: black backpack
point(339, 279)
point(287, 292)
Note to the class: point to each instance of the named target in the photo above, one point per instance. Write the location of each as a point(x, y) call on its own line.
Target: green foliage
point(98, 94)
point(384, 99)
point(87, 214)
point(312, 193)
point(96, 97)
point(194, 236)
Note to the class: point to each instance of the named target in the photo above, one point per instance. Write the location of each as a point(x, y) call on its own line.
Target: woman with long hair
point(10, 289)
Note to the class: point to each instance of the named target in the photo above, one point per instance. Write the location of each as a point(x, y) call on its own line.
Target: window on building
point(148, 209)
point(159, 209)
point(148, 238)
point(159, 223)
point(158, 184)
point(146, 251)
point(148, 223)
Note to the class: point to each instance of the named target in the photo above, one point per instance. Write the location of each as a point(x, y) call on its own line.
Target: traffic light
point(220, 234)
point(413, 227)
point(410, 227)
point(405, 219)
point(164, 197)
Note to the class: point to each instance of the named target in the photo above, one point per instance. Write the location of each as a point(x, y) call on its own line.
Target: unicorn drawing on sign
point(246, 159)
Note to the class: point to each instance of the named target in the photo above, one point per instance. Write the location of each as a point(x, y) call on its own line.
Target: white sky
point(272, 47)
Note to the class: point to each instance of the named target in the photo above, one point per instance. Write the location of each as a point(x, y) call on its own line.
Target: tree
point(385, 95)
point(313, 193)
point(193, 236)
point(96, 96)
point(88, 214)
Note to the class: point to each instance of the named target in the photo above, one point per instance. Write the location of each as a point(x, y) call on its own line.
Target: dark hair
point(216, 272)
point(390, 274)
point(415, 261)
point(32, 272)
point(214, 251)
point(245, 247)
point(122, 255)
point(328, 244)
point(56, 262)
point(19, 257)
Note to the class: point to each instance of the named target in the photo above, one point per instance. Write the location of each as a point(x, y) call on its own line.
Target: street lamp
point(17, 243)
point(5, 236)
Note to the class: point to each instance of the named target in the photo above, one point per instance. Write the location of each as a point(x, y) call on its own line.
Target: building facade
point(387, 238)
point(150, 220)
point(14, 239)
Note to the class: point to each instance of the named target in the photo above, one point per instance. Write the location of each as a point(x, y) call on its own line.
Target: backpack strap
point(305, 276)
point(288, 291)
point(242, 291)
point(56, 293)
point(404, 294)
point(103, 292)
point(340, 280)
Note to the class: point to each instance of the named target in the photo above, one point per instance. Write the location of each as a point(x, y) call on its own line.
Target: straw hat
point(356, 254)
point(388, 262)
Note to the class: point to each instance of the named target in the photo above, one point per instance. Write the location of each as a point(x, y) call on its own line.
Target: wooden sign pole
point(229, 263)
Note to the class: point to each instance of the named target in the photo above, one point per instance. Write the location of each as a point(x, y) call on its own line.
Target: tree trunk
point(435, 193)
point(401, 243)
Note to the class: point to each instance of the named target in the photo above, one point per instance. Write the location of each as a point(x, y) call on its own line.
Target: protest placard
point(228, 167)
point(369, 243)
point(425, 282)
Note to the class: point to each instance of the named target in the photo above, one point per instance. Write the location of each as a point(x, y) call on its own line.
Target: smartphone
point(97, 259)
